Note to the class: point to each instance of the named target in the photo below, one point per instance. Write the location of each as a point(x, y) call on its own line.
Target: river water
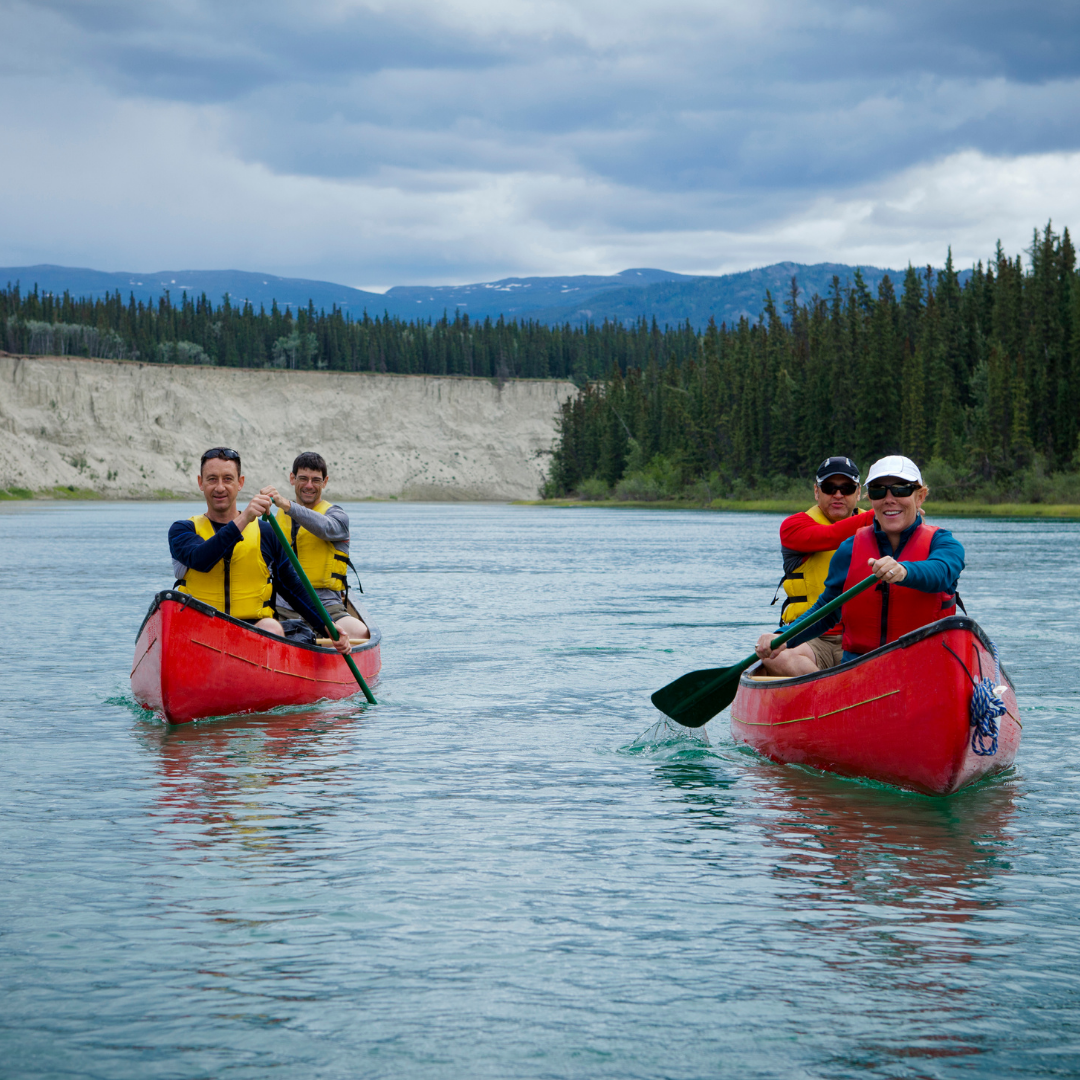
point(501, 871)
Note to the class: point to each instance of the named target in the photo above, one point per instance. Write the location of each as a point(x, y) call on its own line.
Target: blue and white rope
point(986, 707)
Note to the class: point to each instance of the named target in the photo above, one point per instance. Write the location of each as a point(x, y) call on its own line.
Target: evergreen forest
point(978, 381)
point(195, 331)
point(979, 384)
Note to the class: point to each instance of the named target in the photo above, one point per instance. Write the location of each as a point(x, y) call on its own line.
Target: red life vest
point(884, 613)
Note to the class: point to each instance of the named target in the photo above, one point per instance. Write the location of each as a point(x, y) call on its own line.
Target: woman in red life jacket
point(917, 567)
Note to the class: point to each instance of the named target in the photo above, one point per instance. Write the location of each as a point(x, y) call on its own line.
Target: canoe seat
point(771, 678)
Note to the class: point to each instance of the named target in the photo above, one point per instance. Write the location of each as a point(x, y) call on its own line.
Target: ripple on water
point(511, 867)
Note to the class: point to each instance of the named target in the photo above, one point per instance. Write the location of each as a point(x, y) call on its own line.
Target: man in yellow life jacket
point(808, 541)
point(319, 534)
point(232, 560)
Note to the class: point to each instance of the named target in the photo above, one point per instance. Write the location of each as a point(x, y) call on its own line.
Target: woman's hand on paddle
point(763, 648)
point(279, 500)
point(342, 644)
point(888, 570)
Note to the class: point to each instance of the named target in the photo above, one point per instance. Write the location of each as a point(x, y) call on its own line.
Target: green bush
point(660, 479)
point(640, 487)
point(593, 489)
point(705, 489)
point(944, 482)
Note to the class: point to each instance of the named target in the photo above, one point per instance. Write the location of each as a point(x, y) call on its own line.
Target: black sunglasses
point(901, 491)
point(220, 452)
point(846, 488)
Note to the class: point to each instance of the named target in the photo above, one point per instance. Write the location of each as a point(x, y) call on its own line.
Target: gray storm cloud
point(443, 141)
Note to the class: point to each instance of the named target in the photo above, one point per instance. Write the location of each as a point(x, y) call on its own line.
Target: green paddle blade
point(698, 696)
point(695, 698)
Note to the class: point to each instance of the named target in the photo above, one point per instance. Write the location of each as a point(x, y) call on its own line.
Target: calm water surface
point(500, 871)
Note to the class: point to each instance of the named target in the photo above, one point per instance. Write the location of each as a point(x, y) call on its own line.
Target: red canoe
point(899, 714)
point(193, 661)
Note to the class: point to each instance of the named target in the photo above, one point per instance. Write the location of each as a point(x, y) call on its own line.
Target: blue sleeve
point(940, 570)
point(834, 586)
point(286, 579)
point(189, 548)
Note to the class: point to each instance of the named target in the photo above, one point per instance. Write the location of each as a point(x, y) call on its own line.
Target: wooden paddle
point(698, 696)
point(313, 596)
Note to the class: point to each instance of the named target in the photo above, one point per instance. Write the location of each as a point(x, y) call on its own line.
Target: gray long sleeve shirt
point(332, 526)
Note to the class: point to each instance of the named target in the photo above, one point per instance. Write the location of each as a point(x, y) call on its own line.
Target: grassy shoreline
point(756, 506)
point(792, 506)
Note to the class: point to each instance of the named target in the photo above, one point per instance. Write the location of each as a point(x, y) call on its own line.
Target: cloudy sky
point(448, 141)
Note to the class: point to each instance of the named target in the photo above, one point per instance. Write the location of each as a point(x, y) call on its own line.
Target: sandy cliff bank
point(130, 430)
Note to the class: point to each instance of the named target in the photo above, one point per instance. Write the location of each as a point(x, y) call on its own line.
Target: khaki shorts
point(828, 652)
point(332, 601)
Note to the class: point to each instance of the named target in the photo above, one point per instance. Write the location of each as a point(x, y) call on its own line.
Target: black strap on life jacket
point(343, 576)
point(884, 590)
point(792, 560)
point(228, 591)
point(355, 571)
point(779, 586)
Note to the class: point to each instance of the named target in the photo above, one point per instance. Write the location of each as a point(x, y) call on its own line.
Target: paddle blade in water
point(698, 696)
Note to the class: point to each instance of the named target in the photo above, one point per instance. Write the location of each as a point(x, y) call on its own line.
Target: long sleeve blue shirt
point(189, 549)
point(938, 572)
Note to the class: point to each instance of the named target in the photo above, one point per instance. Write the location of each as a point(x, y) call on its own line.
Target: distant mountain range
point(668, 297)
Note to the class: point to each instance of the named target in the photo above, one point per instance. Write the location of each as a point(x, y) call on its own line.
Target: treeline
point(197, 331)
point(982, 381)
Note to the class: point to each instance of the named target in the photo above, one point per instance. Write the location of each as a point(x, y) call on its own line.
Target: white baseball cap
point(895, 465)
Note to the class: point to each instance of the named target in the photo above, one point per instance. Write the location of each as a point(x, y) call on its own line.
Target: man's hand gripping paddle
point(313, 596)
point(698, 696)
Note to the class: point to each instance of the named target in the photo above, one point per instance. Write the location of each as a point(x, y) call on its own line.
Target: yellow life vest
point(240, 583)
point(323, 563)
point(804, 585)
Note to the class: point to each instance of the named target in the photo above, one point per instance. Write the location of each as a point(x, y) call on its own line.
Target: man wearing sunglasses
point(318, 531)
point(808, 542)
point(230, 558)
point(917, 567)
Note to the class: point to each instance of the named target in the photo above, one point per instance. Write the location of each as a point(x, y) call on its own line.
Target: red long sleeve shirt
point(802, 533)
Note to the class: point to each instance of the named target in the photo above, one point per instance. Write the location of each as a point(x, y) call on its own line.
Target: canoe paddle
point(698, 696)
point(313, 596)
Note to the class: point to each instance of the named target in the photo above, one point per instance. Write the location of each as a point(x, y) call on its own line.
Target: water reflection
point(840, 840)
point(251, 780)
point(892, 892)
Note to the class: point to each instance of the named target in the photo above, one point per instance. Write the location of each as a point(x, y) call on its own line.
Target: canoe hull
point(898, 715)
point(192, 661)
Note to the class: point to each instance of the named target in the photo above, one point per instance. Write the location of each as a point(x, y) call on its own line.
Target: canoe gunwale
point(941, 626)
point(186, 600)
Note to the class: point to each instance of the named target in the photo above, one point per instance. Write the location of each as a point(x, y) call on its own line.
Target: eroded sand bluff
point(133, 430)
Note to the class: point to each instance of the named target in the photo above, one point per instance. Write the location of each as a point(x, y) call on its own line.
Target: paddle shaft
point(800, 624)
point(313, 596)
point(795, 628)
